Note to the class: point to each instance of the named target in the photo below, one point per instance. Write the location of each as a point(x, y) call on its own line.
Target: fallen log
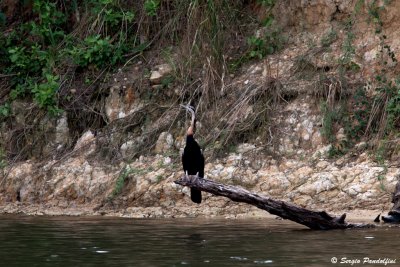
point(394, 214)
point(317, 220)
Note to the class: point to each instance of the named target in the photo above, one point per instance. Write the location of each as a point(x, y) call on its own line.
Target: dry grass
point(200, 34)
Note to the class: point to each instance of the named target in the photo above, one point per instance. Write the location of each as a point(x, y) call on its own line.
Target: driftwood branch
point(318, 220)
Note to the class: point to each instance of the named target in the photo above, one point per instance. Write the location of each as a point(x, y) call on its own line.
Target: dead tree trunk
point(394, 214)
point(318, 220)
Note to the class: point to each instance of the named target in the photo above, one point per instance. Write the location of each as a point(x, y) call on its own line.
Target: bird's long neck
point(193, 122)
point(192, 127)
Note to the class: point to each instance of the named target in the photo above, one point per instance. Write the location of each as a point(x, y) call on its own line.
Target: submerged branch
point(317, 220)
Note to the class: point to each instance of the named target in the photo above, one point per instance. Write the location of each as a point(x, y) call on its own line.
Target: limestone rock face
point(62, 132)
point(165, 142)
point(80, 186)
point(86, 142)
point(294, 165)
point(299, 122)
point(128, 148)
point(310, 178)
point(310, 13)
point(160, 72)
point(121, 102)
point(243, 148)
point(20, 109)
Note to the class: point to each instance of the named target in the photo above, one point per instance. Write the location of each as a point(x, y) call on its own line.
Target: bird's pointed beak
point(189, 109)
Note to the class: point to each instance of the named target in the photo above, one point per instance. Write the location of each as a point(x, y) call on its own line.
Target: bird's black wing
point(193, 163)
point(192, 157)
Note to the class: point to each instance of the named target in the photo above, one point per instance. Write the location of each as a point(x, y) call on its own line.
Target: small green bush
point(390, 90)
point(269, 43)
point(32, 52)
point(45, 93)
point(97, 51)
point(5, 110)
point(330, 116)
point(49, 28)
point(360, 111)
point(151, 7)
point(122, 178)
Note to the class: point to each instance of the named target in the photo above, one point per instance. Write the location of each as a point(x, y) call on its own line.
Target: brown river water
point(98, 241)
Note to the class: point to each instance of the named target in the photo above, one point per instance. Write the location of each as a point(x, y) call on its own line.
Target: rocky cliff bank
point(312, 121)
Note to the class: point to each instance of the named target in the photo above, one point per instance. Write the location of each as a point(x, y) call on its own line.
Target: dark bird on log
point(192, 158)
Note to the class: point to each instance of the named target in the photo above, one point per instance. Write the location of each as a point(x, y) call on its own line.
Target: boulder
point(164, 143)
point(159, 73)
point(86, 141)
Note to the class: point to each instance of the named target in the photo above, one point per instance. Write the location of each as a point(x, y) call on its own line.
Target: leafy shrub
point(31, 52)
point(110, 12)
point(270, 42)
point(124, 174)
point(19, 58)
point(330, 117)
point(45, 93)
point(151, 7)
point(257, 47)
point(97, 51)
point(5, 110)
point(390, 89)
point(49, 28)
point(356, 125)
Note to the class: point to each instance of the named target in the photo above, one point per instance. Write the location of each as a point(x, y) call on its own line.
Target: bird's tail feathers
point(195, 195)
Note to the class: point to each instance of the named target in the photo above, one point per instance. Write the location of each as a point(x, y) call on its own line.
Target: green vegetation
point(385, 108)
point(151, 7)
point(122, 179)
point(267, 41)
point(159, 178)
point(128, 172)
point(330, 116)
point(373, 117)
point(329, 38)
point(36, 51)
point(5, 110)
point(58, 57)
point(96, 51)
point(346, 62)
point(120, 183)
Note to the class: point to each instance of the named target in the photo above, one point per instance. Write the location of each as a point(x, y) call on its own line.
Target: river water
point(71, 241)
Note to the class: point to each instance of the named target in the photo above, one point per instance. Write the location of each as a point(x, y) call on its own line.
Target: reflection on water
point(65, 241)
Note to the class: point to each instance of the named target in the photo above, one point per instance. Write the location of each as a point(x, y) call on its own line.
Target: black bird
point(192, 158)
